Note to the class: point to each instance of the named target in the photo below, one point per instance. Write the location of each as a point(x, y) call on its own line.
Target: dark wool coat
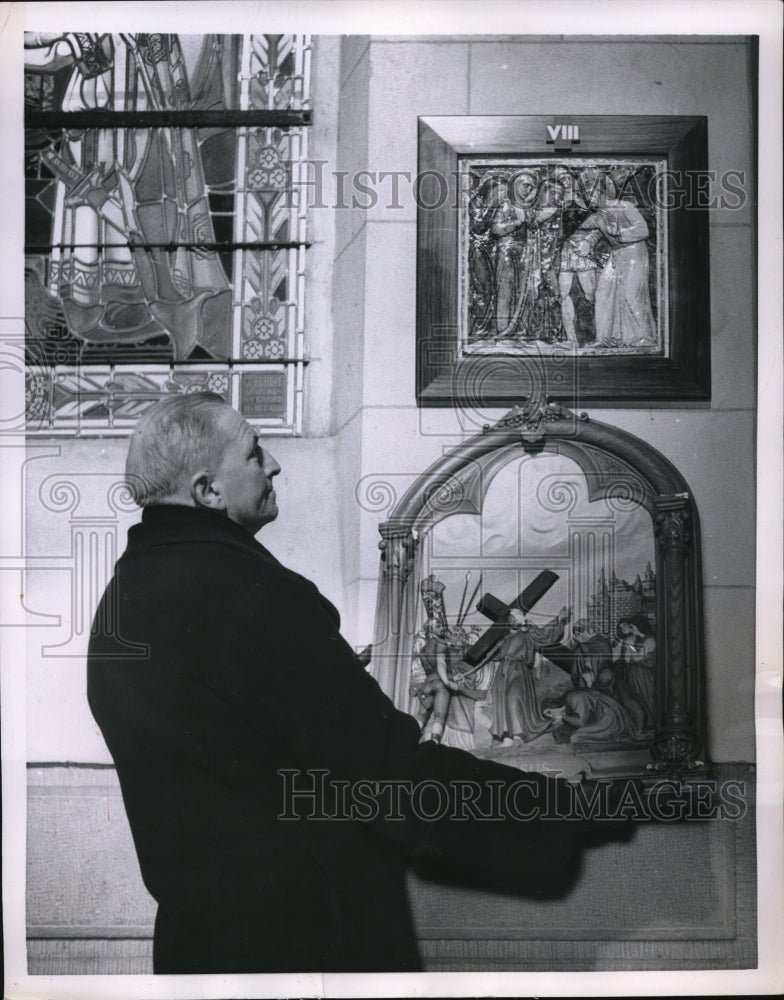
point(212, 668)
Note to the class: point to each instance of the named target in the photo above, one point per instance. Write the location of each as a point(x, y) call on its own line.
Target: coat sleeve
point(292, 676)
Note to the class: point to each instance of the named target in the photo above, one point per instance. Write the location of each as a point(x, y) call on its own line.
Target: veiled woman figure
point(636, 671)
point(596, 717)
point(623, 312)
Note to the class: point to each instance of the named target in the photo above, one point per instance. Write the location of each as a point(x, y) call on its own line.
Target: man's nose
point(271, 467)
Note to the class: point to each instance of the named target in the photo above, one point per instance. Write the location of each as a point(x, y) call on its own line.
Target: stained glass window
point(165, 225)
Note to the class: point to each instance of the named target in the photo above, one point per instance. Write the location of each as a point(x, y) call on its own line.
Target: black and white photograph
point(390, 443)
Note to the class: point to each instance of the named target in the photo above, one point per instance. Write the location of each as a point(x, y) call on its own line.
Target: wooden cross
point(498, 613)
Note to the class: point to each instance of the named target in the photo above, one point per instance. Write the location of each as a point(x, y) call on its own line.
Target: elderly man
point(215, 673)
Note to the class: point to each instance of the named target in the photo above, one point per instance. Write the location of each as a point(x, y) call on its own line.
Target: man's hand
point(365, 655)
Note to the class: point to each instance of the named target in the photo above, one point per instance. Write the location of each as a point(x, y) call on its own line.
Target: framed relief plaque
point(540, 601)
point(564, 256)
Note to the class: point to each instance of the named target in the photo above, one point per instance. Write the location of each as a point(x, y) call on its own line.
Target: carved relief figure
point(585, 655)
point(577, 256)
point(515, 261)
point(623, 313)
point(544, 317)
point(514, 227)
point(439, 652)
point(515, 709)
point(595, 717)
point(433, 692)
point(635, 670)
point(482, 206)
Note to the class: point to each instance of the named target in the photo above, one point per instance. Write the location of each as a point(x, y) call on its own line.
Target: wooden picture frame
point(449, 375)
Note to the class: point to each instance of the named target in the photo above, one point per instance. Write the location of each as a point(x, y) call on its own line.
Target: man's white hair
point(176, 437)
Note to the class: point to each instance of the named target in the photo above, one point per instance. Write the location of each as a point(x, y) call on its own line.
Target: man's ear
point(205, 492)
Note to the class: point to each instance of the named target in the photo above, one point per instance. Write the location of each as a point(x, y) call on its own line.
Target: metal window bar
point(143, 245)
point(109, 119)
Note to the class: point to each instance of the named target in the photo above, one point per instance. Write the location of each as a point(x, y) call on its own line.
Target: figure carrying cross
point(508, 648)
point(512, 643)
point(499, 613)
point(516, 714)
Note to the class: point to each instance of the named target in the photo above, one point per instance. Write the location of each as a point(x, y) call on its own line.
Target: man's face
point(433, 627)
point(244, 475)
point(518, 620)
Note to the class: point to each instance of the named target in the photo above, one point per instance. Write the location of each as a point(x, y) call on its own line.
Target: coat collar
point(167, 523)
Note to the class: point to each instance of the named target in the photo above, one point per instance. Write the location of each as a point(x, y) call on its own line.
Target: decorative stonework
point(672, 528)
point(397, 551)
point(534, 415)
point(676, 753)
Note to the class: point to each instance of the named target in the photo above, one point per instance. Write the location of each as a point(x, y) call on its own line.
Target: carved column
point(392, 634)
point(676, 742)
